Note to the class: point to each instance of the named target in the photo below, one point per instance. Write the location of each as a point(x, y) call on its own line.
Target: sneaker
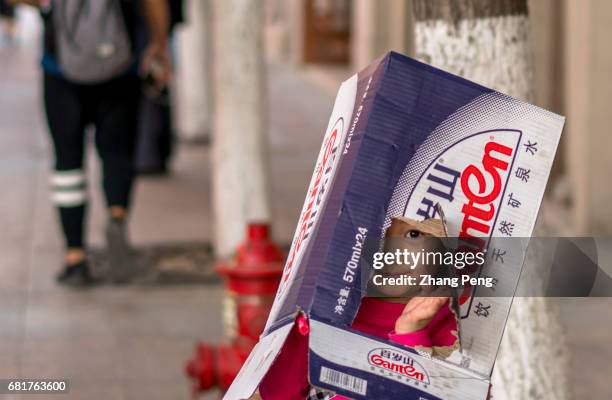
point(76, 275)
point(120, 253)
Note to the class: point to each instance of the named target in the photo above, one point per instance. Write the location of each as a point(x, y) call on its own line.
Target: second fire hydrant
point(251, 280)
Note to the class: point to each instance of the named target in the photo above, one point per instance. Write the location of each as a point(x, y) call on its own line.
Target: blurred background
point(133, 341)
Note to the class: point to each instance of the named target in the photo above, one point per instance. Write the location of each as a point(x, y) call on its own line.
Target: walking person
point(91, 67)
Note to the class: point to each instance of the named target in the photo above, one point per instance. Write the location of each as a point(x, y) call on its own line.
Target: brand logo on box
point(480, 208)
point(399, 362)
point(467, 178)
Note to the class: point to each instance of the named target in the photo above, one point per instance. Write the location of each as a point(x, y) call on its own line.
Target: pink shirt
point(287, 379)
point(377, 317)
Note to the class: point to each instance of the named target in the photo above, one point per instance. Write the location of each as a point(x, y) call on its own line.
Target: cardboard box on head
point(402, 138)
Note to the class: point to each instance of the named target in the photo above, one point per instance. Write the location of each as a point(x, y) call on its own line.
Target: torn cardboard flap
point(258, 363)
point(403, 138)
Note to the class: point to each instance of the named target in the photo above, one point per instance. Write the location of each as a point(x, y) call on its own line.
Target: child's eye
point(413, 233)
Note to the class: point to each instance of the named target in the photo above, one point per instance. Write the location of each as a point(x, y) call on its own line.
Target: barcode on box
point(343, 381)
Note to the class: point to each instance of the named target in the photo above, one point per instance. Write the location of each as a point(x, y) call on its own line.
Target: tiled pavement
point(131, 342)
point(111, 342)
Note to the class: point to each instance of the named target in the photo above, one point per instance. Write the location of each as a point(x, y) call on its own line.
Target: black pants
point(112, 108)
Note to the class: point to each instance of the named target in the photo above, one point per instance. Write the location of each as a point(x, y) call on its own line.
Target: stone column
point(377, 27)
point(488, 42)
point(240, 167)
point(588, 64)
point(192, 87)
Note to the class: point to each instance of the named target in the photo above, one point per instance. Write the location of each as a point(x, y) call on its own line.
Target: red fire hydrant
point(251, 279)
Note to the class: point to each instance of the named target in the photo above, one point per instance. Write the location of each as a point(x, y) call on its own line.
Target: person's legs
point(68, 184)
point(116, 122)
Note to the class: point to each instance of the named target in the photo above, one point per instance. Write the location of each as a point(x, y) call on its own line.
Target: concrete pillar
point(489, 43)
point(192, 87)
point(588, 65)
point(240, 168)
point(295, 15)
point(547, 33)
point(276, 35)
point(379, 26)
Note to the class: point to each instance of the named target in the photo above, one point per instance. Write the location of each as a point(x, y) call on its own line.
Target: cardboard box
point(404, 136)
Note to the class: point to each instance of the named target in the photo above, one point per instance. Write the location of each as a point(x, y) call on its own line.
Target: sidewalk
point(122, 342)
point(112, 343)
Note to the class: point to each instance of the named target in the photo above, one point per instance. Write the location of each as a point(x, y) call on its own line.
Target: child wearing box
point(410, 316)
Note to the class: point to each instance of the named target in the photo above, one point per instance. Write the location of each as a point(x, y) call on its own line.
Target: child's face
point(407, 237)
